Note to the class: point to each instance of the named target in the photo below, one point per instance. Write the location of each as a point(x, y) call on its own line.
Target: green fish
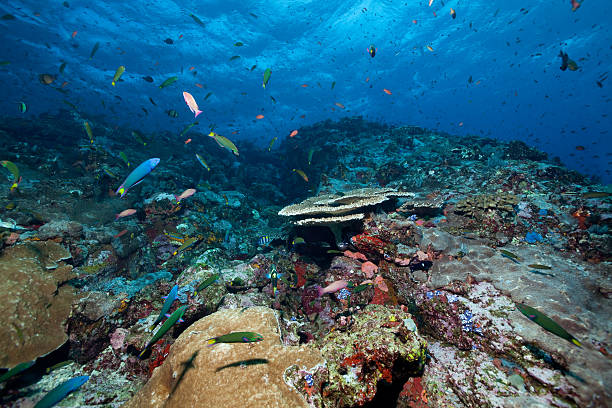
point(16, 370)
point(174, 317)
point(187, 128)
point(23, 107)
point(333, 84)
point(361, 288)
point(118, 74)
point(62, 68)
point(12, 167)
point(7, 17)
point(61, 391)
point(236, 337)
point(509, 255)
point(272, 143)
point(223, 141)
point(546, 323)
point(253, 67)
point(207, 95)
point(189, 242)
point(234, 57)
point(266, 77)
point(108, 172)
point(94, 50)
point(310, 153)
point(197, 20)
point(139, 137)
point(238, 44)
point(202, 162)
point(58, 365)
point(88, 131)
point(541, 273)
point(168, 81)
point(206, 283)
point(244, 363)
point(124, 158)
point(538, 266)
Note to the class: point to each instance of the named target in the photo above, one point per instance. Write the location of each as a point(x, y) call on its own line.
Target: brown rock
point(36, 306)
point(260, 385)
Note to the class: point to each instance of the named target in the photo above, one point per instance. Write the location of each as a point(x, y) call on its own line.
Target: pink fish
point(125, 213)
point(193, 106)
point(187, 193)
point(333, 287)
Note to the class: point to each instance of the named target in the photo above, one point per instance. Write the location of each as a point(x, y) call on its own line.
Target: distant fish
point(185, 194)
point(202, 162)
point(170, 298)
point(272, 143)
point(137, 175)
point(197, 20)
point(236, 337)
point(274, 276)
point(238, 44)
point(118, 74)
point(125, 213)
point(302, 174)
point(169, 41)
point(293, 133)
point(453, 13)
point(61, 391)
point(260, 116)
point(94, 50)
point(575, 4)
point(174, 317)
point(333, 287)
point(511, 256)
point(23, 107)
point(148, 78)
point(188, 243)
point(172, 113)
point(266, 77)
point(430, 48)
point(541, 273)
point(372, 50)
point(74, 33)
point(168, 81)
point(191, 103)
point(206, 283)
point(546, 323)
point(264, 240)
point(538, 266)
point(222, 141)
point(46, 79)
point(388, 92)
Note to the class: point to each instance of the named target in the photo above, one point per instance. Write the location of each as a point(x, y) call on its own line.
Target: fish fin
point(197, 113)
point(576, 342)
point(167, 315)
point(211, 342)
point(164, 297)
point(181, 321)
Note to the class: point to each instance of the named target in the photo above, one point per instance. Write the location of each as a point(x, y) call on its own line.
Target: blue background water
point(513, 52)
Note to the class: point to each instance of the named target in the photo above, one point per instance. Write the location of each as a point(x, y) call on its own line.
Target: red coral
point(380, 297)
point(300, 270)
point(161, 354)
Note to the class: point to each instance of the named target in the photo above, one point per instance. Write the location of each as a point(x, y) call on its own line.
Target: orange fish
point(187, 141)
point(260, 116)
point(338, 104)
point(429, 47)
point(414, 21)
point(388, 92)
point(199, 85)
point(74, 33)
point(295, 132)
point(191, 68)
point(368, 79)
point(304, 85)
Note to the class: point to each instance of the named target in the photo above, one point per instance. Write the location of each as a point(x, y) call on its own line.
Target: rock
point(36, 304)
point(63, 229)
point(211, 383)
point(376, 351)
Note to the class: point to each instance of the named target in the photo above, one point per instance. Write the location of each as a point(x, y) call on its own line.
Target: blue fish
point(167, 304)
point(61, 391)
point(137, 175)
point(264, 240)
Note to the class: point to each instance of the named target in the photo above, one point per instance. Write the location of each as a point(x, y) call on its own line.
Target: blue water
point(508, 49)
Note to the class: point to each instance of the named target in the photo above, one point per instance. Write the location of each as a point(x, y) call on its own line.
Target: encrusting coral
point(228, 375)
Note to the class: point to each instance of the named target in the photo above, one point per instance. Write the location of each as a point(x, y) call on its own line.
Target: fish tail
point(576, 342)
point(113, 83)
point(197, 113)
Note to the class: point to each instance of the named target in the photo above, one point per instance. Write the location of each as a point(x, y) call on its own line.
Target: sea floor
point(401, 284)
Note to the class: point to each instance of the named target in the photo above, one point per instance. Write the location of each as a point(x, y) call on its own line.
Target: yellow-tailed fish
point(89, 132)
point(188, 243)
point(272, 143)
point(118, 74)
point(310, 153)
point(202, 162)
point(546, 323)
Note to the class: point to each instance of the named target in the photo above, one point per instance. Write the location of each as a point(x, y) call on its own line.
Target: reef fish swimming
point(61, 391)
point(546, 323)
point(236, 337)
point(170, 298)
point(137, 175)
point(174, 317)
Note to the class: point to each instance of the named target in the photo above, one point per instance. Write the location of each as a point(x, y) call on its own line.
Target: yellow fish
point(118, 74)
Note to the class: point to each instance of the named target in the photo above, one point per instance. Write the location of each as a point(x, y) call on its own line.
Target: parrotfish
point(206, 283)
point(236, 337)
point(333, 287)
point(174, 317)
point(61, 391)
point(546, 323)
point(223, 141)
point(167, 305)
point(137, 175)
point(191, 103)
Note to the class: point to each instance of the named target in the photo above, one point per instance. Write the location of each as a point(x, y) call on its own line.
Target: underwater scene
point(306, 204)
